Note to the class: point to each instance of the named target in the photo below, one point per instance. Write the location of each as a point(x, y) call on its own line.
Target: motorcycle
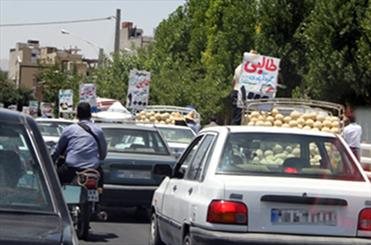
point(82, 198)
point(84, 206)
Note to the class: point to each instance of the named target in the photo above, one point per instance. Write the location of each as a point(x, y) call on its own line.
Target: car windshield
point(135, 141)
point(177, 135)
point(291, 155)
point(22, 185)
point(52, 128)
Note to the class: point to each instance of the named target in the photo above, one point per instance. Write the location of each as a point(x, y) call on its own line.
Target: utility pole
point(117, 31)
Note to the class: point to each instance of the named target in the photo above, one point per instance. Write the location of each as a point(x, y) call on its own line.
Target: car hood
point(30, 229)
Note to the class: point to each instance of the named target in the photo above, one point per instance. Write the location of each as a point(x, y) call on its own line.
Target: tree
point(336, 37)
point(112, 77)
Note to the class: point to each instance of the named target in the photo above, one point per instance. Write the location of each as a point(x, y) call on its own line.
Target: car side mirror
point(163, 169)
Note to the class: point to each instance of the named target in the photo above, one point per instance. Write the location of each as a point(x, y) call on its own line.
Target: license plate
point(132, 174)
point(303, 216)
point(93, 196)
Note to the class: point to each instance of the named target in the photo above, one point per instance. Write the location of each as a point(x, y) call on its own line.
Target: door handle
point(174, 188)
point(190, 191)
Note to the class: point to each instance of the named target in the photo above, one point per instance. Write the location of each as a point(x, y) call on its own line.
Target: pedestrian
point(82, 144)
point(238, 94)
point(352, 135)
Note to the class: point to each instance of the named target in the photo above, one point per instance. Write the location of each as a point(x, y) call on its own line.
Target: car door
point(181, 190)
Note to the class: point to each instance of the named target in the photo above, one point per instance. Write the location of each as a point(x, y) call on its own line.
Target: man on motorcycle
point(82, 144)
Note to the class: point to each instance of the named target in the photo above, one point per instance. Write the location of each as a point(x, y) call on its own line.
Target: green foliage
point(336, 38)
point(112, 77)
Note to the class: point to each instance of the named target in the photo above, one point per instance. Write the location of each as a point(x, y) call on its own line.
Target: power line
point(57, 22)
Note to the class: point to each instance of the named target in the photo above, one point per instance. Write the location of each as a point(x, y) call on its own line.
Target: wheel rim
point(153, 227)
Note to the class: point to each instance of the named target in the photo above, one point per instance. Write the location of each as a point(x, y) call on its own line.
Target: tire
point(154, 238)
point(187, 240)
point(83, 223)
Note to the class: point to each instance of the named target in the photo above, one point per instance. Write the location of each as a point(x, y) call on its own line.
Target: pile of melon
point(311, 120)
point(158, 118)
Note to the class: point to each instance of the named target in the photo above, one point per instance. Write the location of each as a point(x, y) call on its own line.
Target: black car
point(128, 168)
point(32, 207)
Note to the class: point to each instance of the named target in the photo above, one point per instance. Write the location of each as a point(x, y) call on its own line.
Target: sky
point(145, 14)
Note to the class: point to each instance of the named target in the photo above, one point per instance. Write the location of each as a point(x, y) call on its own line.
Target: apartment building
point(27, 59)
point(132, 37)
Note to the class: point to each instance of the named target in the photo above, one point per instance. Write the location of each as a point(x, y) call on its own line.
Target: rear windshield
point(22, 184)
point(177, 135)
point(52, 128)
point(135, 141)
point(291, 155)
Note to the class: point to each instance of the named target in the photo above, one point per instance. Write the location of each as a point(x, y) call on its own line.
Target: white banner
point(65, 100)
point(258, 77)
point(138, 90)
point(34, 106)
point(88, 94)
point(46, 109)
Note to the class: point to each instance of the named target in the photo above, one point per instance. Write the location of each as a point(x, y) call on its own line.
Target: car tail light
point(91, 184)
point(364, 220)
point(227, 212)
point(291, 170)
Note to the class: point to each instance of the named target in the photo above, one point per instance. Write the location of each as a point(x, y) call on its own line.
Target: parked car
point(263, 185)
point(32, 208)
point(128, 168)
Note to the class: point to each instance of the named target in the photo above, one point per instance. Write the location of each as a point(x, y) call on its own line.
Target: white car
point(177, 137)
point(263, 185)
point(51, 128)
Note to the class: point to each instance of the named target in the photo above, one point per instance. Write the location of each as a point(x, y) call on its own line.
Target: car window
point(191, 152)
point(195, 168)
point(52, 128)
point(177, 135)
point(287, 155)
point(135, 141)
point(22, 184)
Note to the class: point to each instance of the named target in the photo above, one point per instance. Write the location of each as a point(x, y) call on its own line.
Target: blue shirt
point(80, 146)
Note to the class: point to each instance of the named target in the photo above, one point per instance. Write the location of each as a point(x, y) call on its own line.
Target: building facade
point(132, 37)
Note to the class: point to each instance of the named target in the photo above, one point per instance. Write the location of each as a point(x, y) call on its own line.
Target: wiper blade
point(26, 211)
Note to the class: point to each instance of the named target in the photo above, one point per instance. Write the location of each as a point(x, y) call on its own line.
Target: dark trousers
point(236, 112)
point(66, 174)
point(356, 152)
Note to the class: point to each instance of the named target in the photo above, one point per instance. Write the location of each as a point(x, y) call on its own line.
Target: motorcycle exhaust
point(102, 216)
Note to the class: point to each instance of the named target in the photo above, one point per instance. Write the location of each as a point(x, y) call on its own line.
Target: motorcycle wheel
point(83, 223)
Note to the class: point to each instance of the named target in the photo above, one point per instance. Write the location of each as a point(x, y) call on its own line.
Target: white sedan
point(263, 185)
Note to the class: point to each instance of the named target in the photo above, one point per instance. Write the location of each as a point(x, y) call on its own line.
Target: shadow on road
point(103, 237)
point(128, 215)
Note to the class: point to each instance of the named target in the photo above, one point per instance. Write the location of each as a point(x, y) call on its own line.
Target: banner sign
point(138, 90)
point(88, 93)
point(65, 100)
point(46, 109)
point(33, 106)
point(258, 77)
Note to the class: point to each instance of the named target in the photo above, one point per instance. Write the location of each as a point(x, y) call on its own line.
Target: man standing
point(83, 145)
point(352, 135)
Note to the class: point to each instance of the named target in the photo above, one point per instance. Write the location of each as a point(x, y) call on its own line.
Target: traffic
point(285, 175)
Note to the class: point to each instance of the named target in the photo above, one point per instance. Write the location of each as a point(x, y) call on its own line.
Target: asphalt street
point(123, 227)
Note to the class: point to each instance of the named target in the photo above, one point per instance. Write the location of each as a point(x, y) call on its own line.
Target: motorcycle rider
point(80, 148)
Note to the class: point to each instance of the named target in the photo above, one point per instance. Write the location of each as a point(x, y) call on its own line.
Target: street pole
point(117, 31)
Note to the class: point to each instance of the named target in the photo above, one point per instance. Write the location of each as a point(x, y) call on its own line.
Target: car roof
point(257, 129)
point(126, 126)
point(54, 120)
point(12, 116)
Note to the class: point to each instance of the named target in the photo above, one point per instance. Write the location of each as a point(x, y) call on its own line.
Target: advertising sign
point(88, 94)
point(258, 77)
point(65, 100)
point(33, 106)
point(138, 90)
point(46, 109)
